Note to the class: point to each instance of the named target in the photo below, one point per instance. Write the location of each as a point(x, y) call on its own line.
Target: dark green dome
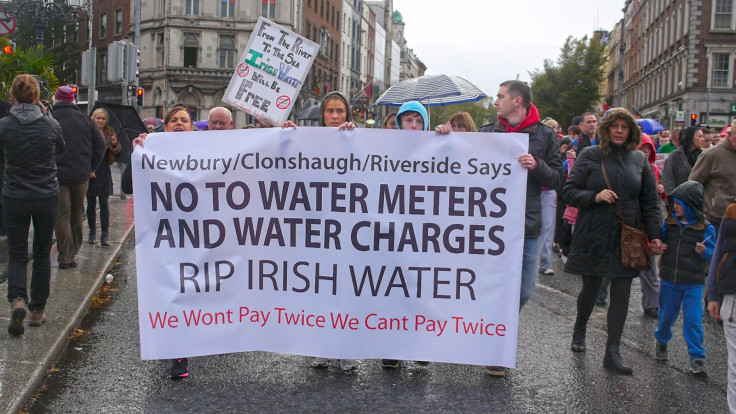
point(397, 17)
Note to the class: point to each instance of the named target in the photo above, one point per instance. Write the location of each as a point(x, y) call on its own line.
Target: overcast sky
point(490, 41)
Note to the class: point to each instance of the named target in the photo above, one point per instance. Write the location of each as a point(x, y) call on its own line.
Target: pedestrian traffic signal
point(139, 96)
point(75, 89)
point(693, 119)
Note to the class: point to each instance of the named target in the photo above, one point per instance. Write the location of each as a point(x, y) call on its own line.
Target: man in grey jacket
point(85, 148)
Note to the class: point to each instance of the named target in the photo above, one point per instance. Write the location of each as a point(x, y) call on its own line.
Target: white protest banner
point(270, 72)
point(341, 244)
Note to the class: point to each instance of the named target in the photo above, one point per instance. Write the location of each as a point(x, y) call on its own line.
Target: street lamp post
point(40, 12)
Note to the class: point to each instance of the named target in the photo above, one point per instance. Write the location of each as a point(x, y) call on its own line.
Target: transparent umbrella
point(431, 90)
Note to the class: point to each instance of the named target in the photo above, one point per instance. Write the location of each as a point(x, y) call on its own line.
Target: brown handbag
point(635, 250)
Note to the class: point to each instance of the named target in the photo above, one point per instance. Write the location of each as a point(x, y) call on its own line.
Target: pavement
point(25, 360)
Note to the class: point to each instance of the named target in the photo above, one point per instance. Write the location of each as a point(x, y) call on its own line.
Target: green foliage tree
point(60, 39)
point(572, 85)
point(482, 112)
point(33, 61)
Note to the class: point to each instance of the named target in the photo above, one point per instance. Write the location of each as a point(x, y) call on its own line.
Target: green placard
point(733, 107)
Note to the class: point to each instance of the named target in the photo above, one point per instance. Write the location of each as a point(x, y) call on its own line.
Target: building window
point(118, 21)
point(723, 15)
point(268, 9)
point(227, 8)
point(227, 52)
point(191, 49)
point(309, 29)
point(162, 8)
point(720, 70)
point(192, 7)
point(160, 49)
point(102, 74)
point(103, 25)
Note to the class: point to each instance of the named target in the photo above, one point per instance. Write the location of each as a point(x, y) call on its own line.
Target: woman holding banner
point(176, 120)
point(595, 253)
point(334, 111)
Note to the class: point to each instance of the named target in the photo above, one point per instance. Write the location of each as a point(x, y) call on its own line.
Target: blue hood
point(412, 106)
point(690, 216)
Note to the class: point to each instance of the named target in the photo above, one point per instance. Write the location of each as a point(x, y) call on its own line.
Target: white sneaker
point(348, 365)
point(547, 272)
point(563, 258)
point(319, 362)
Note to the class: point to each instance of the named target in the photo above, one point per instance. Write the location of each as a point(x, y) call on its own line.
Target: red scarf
point(532, 117)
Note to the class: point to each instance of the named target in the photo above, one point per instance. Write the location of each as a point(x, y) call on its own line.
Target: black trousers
point(104, 212)
point(618, 308)
point(18, 215)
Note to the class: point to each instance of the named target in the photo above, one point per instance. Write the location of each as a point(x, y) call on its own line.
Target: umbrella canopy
point(127, 125)
point(154, 124)
point(432, 90)
point(202, 124)
point(310, 113)
point(649, 126)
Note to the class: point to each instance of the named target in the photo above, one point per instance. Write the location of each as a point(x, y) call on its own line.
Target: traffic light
point(139, 96)
point(8, 49)
point(693, 119)
point(75, 89)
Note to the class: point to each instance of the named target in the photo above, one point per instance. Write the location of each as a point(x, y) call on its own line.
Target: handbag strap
point(608, 183)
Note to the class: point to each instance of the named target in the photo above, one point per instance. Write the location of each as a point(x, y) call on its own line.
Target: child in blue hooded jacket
point(689, 243)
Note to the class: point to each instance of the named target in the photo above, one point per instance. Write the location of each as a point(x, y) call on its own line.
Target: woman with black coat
point(595, 252)
point(100, 182)
point(29, 143)
point(680, 162)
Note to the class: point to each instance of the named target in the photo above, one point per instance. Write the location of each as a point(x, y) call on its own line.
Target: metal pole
point(707, 108)
point(93, 61)
point(137, 37)
point(124, 83)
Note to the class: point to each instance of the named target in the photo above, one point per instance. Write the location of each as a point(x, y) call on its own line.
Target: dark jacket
point(85, 145)
point(722, 272)
point(28, 143)
point(676, 170)
point(596, 240)
point(544, 146)
point(101, 184)
point(680, 262)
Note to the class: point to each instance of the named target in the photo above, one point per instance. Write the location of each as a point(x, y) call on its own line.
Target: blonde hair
point(107, 130)
point(463, 118)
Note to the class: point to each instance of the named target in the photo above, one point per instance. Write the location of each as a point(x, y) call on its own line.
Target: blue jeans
point(549, 209)
point(528, 269)
point(671, 296)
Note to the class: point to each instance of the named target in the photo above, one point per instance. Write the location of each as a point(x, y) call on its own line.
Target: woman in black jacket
point(681, 161)
point(100, 182)
point(595, 252)
point(29, 141)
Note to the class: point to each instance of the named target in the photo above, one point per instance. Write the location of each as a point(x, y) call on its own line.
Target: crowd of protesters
point(581, 188)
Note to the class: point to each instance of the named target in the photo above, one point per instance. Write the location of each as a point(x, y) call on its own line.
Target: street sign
point(733, 107)
point(680, 116)
point(8, 24)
